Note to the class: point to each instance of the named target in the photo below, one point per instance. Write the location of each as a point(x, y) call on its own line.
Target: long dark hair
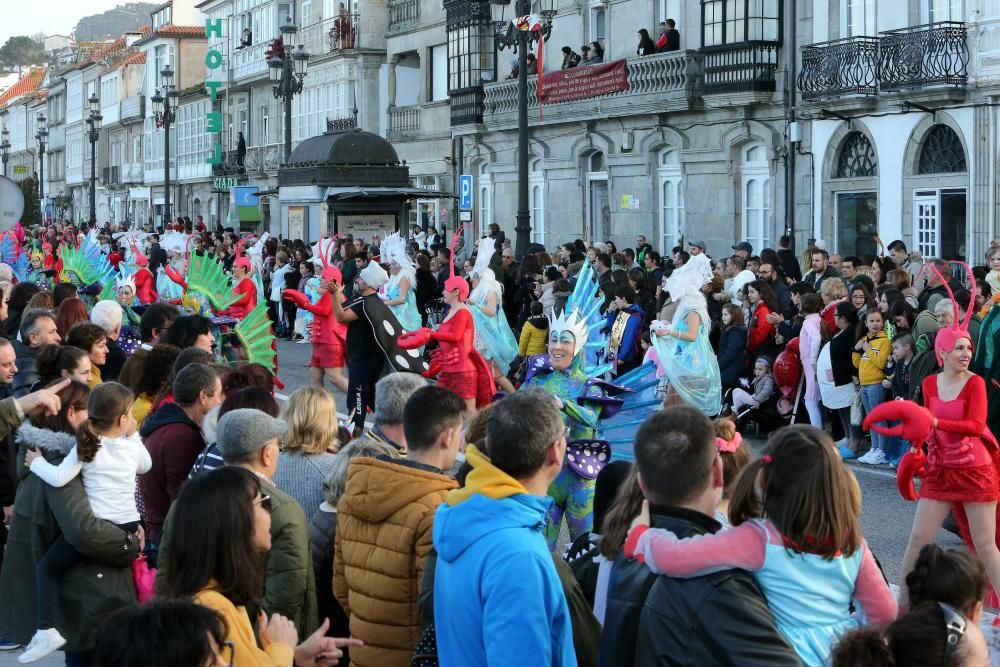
point(107, 403)
point(157, 370)
point(627, 505)
point(218, 545)
point(953, 577)
point(766, 294)
point(160, 633)
point(74, 395)
point(185, 330)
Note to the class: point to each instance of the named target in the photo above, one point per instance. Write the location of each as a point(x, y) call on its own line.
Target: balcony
point(333, 35)
point(110, 176)
point(745, 67)
point(467, 105)
point(131, 173)
point(841, 67)
point(662, 82)
point(263, 159)
point(250, 61)
point(403, 14)
point(403, 122)
point(936, 54)
point(231, 165)
point(132, 107)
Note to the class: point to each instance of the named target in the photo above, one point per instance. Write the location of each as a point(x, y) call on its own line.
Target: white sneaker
point(866, 457)
point(42, 644)
point(878, 458)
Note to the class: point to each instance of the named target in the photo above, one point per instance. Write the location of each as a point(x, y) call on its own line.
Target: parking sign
point(465, 192)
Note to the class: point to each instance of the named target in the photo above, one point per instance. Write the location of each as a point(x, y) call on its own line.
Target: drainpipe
point(790, 69)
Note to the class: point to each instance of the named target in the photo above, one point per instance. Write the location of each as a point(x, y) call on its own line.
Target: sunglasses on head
point(954, 624)
point(264, 501)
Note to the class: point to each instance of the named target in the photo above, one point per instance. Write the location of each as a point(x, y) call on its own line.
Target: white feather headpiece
point(125, 281)
point(484, 254)
point(393, 250)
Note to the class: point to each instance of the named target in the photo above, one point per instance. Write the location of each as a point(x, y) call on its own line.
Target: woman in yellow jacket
point(216, 559)
point(871, 357)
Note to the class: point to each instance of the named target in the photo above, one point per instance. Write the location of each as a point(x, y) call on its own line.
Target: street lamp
point(286, 67)
point(5, 148)
point(93, 134)
point(165, 116)
point(507, 36)
point(41, 135)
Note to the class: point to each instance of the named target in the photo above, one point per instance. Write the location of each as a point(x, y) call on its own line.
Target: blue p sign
point(465, 192)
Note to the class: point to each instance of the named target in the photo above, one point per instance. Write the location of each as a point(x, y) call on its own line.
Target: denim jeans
point(871, 396)
point(852, 432)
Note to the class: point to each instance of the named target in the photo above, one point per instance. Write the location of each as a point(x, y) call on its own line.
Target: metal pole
point(791, 51)
point(286, 89)
point(523, 218)
point(41, 178)
point(93, 175)
point(166, 161)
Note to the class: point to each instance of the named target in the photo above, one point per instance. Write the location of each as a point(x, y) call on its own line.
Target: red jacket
point(247, 302)
point(760, 330)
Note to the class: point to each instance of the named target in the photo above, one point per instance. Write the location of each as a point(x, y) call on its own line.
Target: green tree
point(21, 50)
point(32, 214)
point(62, 203)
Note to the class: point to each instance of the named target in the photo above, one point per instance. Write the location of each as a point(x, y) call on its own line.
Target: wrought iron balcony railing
point(841, 67)
point(936, 54)
point(740, 68)
point(343, 123)
point(467, 106)
point(333, 34)
point(403, 120)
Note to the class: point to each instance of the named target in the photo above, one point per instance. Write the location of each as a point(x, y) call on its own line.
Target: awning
point(354, 192)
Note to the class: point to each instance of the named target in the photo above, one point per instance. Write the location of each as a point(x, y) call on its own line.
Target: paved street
point(885, 517)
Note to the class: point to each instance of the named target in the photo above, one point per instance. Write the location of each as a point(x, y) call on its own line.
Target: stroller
point(782, 408)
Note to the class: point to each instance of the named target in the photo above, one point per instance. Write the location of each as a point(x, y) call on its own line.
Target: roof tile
point(27, 84)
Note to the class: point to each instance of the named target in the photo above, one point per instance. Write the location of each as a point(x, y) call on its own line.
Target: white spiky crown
point(572, 323)
point(125, 281)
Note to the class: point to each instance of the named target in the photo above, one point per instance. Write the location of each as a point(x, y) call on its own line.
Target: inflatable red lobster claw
point(915, 426)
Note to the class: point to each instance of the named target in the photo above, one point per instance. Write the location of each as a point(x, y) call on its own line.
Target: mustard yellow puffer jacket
point(384, 525)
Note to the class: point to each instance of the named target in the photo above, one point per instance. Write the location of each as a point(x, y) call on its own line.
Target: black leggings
point(362, 374)
point(59, 559)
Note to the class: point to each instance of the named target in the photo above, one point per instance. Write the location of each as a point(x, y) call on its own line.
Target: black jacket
point(27, 373)
point(789, 264)
point(716, 619)
point(112, 368)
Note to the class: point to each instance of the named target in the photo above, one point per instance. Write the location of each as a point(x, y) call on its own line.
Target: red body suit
point(247, 301)
point(461, 367)
point(145, 286)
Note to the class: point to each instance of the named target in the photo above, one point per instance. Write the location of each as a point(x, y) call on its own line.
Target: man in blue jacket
point(497, 596)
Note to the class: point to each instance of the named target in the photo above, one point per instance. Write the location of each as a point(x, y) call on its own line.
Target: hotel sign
point(213, 60)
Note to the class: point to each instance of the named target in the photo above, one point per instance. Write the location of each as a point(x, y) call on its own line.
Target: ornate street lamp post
point(164, 106)
point(42, 136)
point(507, 36)
point(93, 134)
point(287, 67)
point(5, 148)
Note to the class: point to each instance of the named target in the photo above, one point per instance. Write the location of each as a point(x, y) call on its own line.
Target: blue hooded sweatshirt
point(498, 601)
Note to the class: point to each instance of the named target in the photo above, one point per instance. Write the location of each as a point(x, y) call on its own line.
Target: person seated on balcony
point(596, 54)
point(570, 58)
point(647, 46)
point(670, 37)
point(247, 38)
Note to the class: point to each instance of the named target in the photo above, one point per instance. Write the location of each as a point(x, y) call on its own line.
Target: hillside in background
point(127, 17)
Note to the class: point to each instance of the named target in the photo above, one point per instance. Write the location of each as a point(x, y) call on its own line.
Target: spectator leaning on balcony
point(570, 58)
point(596, 54)
point(647, 46)
point(532, 65)
point(670, 38)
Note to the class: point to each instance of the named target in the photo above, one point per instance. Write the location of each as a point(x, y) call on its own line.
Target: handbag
point(145, 579)
point(857, 411)
point(426, 654)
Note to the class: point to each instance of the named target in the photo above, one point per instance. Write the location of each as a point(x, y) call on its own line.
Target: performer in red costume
point(961, 472)
point(326, 334)
point(145, 281)
point(457, 364)
point(245, 286)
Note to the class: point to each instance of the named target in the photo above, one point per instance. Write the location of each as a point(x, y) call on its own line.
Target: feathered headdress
point(125, 281)
point(455, 282)
point(484, 254)
point(393, 250)
point(570, 320)
point(946, 338)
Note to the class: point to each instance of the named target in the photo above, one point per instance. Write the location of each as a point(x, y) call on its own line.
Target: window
point(439, 73)
point(307, 17)
point(858, 18)
point(598, 198)
point(471, 51)
point(942, 152)
point(264, 136)
point(933, 11)
point(598, 23)
point(735, 21)
point(671, 189)
point(536, 183)
point(857, 157)
point(756, 195)
point(670, 9)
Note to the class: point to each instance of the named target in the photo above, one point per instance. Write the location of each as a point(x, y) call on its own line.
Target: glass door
point(857, 223)
point(600, 210)
point(926, 225)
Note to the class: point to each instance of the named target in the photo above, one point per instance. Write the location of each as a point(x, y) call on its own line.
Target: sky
point(57, 17)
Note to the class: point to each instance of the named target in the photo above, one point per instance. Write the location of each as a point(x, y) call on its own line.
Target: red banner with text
point(579, 83)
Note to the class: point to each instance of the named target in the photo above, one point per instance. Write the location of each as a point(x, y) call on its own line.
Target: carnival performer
point(125, 289)
point(245, 286)
point(175, 245)
point(987, 360)
point(456, 363)
point(494, 338)
point(145, 282)
point(681, 348)
point(36, 271)
point(400, 292)
point(961, 471)
point(327, 335)
point(565, 373)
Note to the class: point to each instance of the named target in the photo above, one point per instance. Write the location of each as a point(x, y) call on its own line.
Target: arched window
point(671, 188)
point(942, 152)
point(857, 157)
point(536, 182)
point(755, 175)
point(485, 198)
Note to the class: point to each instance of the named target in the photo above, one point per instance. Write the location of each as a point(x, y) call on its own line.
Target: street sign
point(465, 192)
point(465, 216)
